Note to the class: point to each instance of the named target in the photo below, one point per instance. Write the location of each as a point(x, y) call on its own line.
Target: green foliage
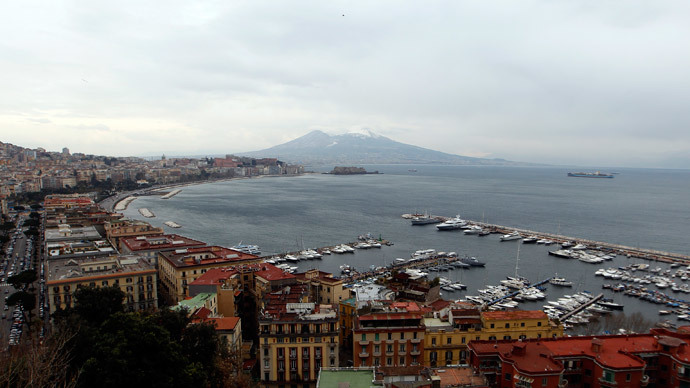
point(23, 298)
point(132, 350)
point(95, 305)
point(23, 279)
point(435, 282)
point(112, 348)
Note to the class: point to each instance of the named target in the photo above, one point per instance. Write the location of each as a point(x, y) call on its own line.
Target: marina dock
point(647, 254)
point(583, 306)
point(171, 194)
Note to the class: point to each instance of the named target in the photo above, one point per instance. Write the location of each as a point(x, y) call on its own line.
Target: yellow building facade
point(445, 341)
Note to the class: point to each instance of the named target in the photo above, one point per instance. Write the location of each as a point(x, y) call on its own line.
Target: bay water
point(639, 208)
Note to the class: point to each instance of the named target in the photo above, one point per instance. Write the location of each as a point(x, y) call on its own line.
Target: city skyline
point(575, 84)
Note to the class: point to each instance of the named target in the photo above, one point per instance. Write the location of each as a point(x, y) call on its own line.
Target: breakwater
point(628, 251)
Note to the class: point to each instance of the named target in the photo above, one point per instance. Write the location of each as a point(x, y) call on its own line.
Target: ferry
point(250, 249)
point(597, 174)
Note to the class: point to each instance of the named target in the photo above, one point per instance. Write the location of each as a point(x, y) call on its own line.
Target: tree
point(435, 282)
point(22, 280)
point(132, 350)
point(95, 305)
point(38, 364)
point(26, 299)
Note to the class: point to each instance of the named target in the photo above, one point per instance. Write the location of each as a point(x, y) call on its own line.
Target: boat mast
point(517, 260)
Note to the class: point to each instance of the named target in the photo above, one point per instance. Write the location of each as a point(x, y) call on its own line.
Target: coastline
point(123, 199)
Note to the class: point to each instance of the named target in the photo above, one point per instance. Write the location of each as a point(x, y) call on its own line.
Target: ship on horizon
point(597, 174)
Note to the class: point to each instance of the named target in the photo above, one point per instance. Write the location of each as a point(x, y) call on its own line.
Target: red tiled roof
point(439, 305)
point(224, 323)
point(614, 352)
point(201, 313)
point(266, 271)
point(389, 316)
point(516, 314)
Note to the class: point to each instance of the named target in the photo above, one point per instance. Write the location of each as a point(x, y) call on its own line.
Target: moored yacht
point(511, 236)
point(452, 224)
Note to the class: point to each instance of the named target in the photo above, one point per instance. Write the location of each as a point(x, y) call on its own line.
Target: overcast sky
point(595, 83)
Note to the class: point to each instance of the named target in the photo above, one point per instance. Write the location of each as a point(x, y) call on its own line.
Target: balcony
point(377, 354)
point(402, 352)
point(607, 383)
point(416, 340)
point(364, 343)
point(364, 355)
point(415, 353)
point(390, 353)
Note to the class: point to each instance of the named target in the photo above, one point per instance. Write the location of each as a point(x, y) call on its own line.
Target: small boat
point(611, 305)
point(530, 240)
point(474, 229)
point(484, 232)
point(511, 236)
point(561, 282)
point(472, 261)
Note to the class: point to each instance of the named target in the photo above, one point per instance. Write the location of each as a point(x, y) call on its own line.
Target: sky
point(590, 83)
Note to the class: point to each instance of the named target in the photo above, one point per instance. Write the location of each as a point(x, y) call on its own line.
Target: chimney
point(596, 345)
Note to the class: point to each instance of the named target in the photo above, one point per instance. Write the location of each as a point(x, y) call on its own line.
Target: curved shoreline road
point(109, 203)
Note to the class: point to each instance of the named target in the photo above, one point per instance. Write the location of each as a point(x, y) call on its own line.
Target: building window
point(402, 347)
point(402, 361)
point(608, 376)
point(449, 340)
point(376, 336)
point(506, 337)
point(389, 361)
point(539, 323)
point(402, 336)
point(628, 377)
point(508, 377)
point(492, 325)
point(364, 337)
point(544, 381)
point(522, 324)
point(507, 325)
point(414, 335)
point(433, 340)
point(463, 340)
point(390, 336)
point(376, 349)
point(389, 348)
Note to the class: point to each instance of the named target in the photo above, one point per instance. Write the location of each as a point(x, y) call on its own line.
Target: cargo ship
point(597, 174)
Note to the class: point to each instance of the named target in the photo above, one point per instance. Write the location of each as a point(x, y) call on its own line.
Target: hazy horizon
point(559, 83)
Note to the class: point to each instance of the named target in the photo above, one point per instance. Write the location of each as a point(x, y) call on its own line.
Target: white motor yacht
point(511, 236)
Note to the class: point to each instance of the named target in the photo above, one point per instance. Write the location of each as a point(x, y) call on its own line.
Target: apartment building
point(390, 335)
point(178, 268)
point(135, 276)
point(659, 358)
point(296, 339)
point(323, 287)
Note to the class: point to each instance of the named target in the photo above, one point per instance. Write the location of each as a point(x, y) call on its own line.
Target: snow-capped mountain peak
point(363, 133)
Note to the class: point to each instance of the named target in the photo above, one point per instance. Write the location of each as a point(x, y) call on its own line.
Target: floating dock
point(171, 194)
point(172, 224)
point(146, 212)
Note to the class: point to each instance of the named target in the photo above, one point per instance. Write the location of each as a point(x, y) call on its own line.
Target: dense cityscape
point(90, 293)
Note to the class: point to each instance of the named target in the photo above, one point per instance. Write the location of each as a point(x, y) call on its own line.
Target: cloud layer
point(589, 83)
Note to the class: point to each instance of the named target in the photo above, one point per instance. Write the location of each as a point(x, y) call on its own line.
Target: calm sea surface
point(639, 208)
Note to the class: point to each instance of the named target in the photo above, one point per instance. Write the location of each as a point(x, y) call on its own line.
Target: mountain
point(362, 147)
